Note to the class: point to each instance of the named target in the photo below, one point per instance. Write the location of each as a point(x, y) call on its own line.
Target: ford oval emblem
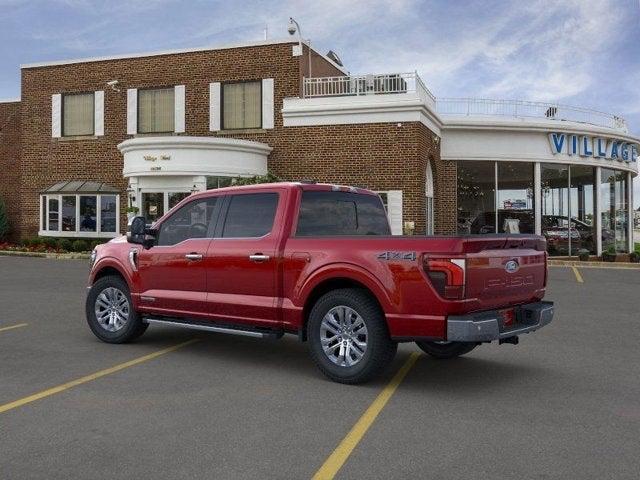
point(511, 266)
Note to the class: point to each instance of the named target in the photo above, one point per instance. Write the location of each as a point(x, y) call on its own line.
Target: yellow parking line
point(19, 325)
point(334, 463)
point(577, 274)
point(94, 376)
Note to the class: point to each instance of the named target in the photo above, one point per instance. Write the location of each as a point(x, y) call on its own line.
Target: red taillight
point(447, 276)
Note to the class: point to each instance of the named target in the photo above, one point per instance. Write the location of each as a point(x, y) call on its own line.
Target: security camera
point(292, 27)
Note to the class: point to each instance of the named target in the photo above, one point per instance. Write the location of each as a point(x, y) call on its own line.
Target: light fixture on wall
point(131, 193)
point(114, 85)
point(194, 189)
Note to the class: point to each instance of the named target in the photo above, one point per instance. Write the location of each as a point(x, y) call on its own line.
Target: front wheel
point(348, 336)
point(445, 350)
point(110, 312)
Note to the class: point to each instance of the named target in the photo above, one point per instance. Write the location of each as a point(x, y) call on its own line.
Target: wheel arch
point(109, 267)
point(329, 282)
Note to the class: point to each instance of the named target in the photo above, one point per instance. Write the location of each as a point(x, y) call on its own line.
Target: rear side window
point(250, 215)
point(341, 213)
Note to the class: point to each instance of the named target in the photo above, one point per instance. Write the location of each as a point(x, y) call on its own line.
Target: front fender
point(116, 264)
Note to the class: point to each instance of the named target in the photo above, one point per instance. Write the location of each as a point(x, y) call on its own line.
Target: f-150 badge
point(397, 256)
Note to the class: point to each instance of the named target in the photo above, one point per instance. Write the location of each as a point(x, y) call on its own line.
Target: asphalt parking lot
point(564, 404)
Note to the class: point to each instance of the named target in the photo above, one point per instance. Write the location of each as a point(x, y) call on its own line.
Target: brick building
point(90, 138)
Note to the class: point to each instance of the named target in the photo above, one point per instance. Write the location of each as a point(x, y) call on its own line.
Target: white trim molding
point(179, 109)
point(183, 155)
point(215, 110)
point(56, 115)
point(390, 108)
point(132, 111)
point(268, 107)
point(98, 113)
point(177, 52)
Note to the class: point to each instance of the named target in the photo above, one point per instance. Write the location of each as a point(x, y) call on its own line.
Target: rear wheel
point(444, 350)
point(348, 336)
point(110, 312)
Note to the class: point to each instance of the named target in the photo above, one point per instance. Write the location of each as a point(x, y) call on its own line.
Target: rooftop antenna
point(266, 32)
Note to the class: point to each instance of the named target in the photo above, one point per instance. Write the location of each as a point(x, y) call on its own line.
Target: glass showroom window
point(515, 198)
point(582, 208)
point(79, 215)
point(613, 207)
point(476, 197)
point(78, 114)
point(555, 207)
point(156, 110)
point(241, 105)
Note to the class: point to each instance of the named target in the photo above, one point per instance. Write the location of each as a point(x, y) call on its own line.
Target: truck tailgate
point(505, 271)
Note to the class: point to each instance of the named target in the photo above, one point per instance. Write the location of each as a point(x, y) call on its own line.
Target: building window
point(78, 114)
point(218, 182)
point(78, 215)
point(241, 105)
point(156, 110)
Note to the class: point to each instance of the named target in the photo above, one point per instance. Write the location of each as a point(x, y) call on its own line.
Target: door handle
point(258, 257)
point(194, 257)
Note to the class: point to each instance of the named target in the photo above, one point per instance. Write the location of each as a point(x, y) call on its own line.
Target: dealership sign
point(597, 147)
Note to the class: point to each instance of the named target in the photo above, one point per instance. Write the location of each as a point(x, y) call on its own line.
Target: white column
point(598, 210)
point(537, 198)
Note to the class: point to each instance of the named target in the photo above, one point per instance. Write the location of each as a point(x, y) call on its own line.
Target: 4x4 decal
point(397, 256)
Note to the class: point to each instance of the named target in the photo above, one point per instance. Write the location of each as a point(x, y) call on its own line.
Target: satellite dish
point(334, 56)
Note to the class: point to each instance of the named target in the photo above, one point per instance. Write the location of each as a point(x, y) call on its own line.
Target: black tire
point(380, 349)
point(134, 326)
point(447, 350)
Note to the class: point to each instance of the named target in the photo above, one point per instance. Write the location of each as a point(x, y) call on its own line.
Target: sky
point(577, 52)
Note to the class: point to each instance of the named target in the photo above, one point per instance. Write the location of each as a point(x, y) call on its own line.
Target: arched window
point(429, 199)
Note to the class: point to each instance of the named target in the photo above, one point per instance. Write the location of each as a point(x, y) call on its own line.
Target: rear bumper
point(489, 326)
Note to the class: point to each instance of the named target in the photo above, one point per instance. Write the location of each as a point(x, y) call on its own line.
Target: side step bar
point(214, 328)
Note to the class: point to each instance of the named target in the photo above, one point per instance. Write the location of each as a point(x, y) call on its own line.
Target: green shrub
point(80, 246)
point(26, 242)
point(65, 244)
point(49, 242)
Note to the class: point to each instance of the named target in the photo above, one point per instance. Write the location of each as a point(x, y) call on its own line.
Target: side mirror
point(138, 233)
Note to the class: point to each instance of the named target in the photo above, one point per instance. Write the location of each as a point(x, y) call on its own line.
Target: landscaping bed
point(49, 246)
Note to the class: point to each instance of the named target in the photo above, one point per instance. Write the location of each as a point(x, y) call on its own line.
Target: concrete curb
point(57, 256)
point(604, 265)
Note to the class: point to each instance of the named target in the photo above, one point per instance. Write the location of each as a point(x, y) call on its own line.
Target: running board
point(214, 328)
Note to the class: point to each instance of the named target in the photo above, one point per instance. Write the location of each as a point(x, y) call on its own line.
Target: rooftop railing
point(356, 85)
point(526, 109)
point(399, 83)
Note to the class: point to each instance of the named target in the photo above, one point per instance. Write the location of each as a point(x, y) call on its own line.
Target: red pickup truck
point(318, 261)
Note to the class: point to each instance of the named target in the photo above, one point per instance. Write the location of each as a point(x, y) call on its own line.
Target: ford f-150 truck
point(318, 261)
